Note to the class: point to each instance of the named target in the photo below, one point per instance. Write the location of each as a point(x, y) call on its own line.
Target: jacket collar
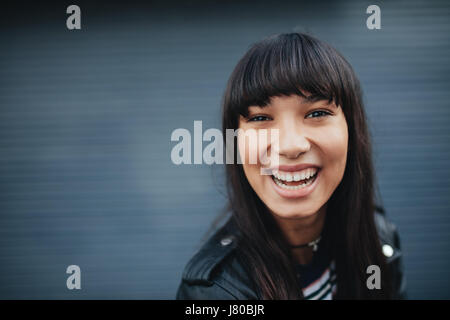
point(200, 268)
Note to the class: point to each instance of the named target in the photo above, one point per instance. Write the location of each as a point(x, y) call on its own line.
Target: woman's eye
point(259, 118)
point(317, 114)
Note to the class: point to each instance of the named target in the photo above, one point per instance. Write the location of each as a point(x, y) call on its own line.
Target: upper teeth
point(295, 176)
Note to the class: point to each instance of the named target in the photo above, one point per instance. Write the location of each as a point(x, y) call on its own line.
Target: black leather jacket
point(215, 273)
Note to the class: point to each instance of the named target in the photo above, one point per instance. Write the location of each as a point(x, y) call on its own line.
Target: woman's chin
point(285, 212)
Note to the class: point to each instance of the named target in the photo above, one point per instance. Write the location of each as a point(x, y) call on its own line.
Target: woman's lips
point(292, 194)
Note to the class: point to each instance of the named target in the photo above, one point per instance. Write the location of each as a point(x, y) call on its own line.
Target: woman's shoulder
point(390, 245)
point(389, 236)
point(215, 272)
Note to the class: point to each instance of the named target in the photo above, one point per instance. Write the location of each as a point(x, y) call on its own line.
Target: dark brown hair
point(285, 64)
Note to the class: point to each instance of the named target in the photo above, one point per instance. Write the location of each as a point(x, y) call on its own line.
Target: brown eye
point(318, 114)
point(258, 118)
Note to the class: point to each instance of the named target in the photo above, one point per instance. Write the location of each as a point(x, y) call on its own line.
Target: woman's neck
point(298, 231)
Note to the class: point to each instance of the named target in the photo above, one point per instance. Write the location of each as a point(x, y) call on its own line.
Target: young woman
point(310, 229)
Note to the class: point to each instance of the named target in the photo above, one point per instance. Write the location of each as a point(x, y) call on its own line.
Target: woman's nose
point(293, 141)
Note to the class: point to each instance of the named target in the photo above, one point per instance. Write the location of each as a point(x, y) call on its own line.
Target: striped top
point(318, 278)
point(321, 287)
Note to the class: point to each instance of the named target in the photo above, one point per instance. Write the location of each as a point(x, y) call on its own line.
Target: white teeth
point(282, 185)
point(289, 177)
point(303, 175)
point(308, 174)
point(297, 176)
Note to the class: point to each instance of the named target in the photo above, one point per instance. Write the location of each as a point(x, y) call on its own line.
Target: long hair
point(283, 65)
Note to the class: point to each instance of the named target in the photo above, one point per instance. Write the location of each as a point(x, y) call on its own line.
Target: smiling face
point(312, 154)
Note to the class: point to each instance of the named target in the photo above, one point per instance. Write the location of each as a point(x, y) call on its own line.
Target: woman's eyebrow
point(317, 98)
point(314, 98)
point(260, 107)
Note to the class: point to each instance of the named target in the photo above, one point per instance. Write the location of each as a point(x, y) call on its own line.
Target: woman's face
point(313, 139)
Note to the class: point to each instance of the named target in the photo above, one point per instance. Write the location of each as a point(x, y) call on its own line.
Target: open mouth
point(295, 181)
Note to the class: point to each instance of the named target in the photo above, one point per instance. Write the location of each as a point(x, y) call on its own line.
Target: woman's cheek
point(248, 146)
point(334, 146)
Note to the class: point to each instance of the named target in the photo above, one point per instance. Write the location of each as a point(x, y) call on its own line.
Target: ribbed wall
point(86, 118)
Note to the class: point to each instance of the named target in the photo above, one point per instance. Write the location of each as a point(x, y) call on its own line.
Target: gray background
point(86, 118)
